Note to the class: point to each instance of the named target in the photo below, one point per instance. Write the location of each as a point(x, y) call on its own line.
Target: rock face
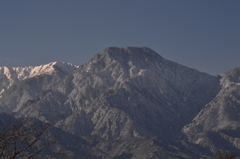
point(18, 85)
point(12, 75)
point(123, 98)
point(217, 125)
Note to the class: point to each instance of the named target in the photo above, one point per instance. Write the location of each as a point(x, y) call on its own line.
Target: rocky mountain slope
point(12, 75)
point(126, 100)
point(20, 84)
point(217, 125)
point(125, 92)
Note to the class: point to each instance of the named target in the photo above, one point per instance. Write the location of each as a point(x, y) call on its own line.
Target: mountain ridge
point(12, 75)
point(117, 73)
point(28, 82)
point(134, 99)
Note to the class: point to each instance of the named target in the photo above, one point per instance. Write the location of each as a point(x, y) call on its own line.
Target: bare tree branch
point(26, 139)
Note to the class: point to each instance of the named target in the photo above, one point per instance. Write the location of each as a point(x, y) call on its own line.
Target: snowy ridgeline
point(124, 93)
point(12, 75)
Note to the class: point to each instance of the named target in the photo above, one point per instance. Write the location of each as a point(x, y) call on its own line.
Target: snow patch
point(133, 71)
point(161, 91)
point(142, 72)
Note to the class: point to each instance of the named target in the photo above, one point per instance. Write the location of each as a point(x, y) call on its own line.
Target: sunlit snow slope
point(12, 75)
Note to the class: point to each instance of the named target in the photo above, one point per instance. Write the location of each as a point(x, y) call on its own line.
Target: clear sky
point(202, 34)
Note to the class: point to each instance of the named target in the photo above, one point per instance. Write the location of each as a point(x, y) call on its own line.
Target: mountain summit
point(127, 102)
point(125, 92)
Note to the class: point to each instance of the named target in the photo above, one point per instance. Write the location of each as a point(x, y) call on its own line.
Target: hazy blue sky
point(202, 34)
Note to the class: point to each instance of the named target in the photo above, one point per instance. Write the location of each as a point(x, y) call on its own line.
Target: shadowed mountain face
point(217, 125)
point(130, 95)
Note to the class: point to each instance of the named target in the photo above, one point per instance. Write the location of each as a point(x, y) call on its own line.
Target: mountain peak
point(12, 75)
point(50, 68)
point(125, 94)
point(65, 67)
point(127, 54)
point(124, 58)
point(130, 50)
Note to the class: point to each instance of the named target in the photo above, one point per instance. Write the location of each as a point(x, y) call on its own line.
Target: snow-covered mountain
point(12, 75)
point(21, 84)
point(131, 103)
point(129, 87)
point(217, 125)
